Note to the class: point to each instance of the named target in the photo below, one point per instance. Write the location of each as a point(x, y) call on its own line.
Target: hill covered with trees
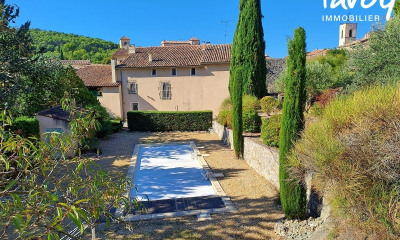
point(72, 47)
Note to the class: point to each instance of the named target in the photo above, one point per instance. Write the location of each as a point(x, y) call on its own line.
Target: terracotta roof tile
point(316, 53)
point(120, 52)
point(75, 62)
point(97, 76)
point(177, 56)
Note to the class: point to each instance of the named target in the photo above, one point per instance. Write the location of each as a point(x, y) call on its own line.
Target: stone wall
point(275, 67)
point(260, 157)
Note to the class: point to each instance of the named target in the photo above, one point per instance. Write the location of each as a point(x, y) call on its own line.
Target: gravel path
point(254, 197)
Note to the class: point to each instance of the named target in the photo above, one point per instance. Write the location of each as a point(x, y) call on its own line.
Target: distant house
point(98, 79)
point(76, 64)
point(55, 120)
point(176, 76)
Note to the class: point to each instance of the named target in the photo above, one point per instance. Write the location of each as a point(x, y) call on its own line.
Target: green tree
point(379, 62)
point(397, 9)
point(237, 120)
point(292, 193)
point(248, 49)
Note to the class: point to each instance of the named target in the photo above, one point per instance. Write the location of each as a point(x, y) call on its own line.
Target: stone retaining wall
point(260, 157)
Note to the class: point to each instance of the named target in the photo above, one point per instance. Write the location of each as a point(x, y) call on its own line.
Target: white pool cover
point(169, 171)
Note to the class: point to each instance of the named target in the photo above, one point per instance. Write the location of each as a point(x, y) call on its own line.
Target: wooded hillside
point(72, 47)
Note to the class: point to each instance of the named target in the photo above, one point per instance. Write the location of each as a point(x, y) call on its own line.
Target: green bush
point(251, 121)
point(225, 113)
point(354, 149)
point(169, 121)
point(250, 102)
point(268, 104)
point(116, 125)
point(316, 110)
point(26, 126)
point(270, 130)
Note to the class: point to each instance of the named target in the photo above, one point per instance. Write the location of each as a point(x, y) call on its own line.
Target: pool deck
point(178, 207)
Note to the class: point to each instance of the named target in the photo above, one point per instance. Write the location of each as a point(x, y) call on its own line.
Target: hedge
point(116, 125)
point(26, 126)
point(157, 121)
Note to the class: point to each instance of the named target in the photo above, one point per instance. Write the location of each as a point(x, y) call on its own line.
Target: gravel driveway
point(254, 197)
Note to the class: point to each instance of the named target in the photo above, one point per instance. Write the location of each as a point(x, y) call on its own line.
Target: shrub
point(225, 113)
point(316, 109)
point(26, 126)
point(353, 151)
point(169, 121)
point(270, 130)
point(269, 104)
point(251, 121)
point(116, 125)
point(250, 102)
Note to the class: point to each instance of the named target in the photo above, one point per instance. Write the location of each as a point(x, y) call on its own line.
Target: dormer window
point(154, 72)
point(173, 72)
point(193, 72)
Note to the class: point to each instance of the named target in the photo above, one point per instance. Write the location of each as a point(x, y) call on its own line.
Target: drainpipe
point(122, 96)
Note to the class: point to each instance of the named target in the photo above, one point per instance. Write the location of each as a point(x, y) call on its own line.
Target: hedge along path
point(154, 121)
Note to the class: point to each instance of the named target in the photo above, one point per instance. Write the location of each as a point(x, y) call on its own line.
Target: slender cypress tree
point(248, 49)
point(292, 193)
point(237, 122)
point(397, 8)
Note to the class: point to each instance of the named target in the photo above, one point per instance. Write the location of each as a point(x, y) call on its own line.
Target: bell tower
point(124, 42)
point(347, 33)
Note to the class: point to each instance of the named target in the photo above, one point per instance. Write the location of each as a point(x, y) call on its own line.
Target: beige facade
point(177, 76)
point(111, 100)
point(205, 90)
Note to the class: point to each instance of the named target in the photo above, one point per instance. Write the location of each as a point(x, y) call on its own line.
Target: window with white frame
point(173, 72)
point(133, 88)
point(134, 106)
point(165, 90)
point(193, 72)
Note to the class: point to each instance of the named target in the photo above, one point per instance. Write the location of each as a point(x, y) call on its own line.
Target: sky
point(148, 22)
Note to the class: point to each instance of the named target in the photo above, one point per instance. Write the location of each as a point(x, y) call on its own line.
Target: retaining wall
point(262, 158)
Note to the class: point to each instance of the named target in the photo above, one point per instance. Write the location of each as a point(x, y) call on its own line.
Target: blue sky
point(148, 22)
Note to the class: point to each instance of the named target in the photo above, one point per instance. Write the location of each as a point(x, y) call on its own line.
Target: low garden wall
point(260, 157)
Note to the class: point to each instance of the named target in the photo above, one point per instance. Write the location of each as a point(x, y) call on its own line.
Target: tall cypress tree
point(293, 194)
point(397, 8)
point(248, 49)
point(237, 122)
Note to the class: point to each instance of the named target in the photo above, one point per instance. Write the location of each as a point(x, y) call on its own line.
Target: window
point(193, 72)
point(133, 88)
point(351, 33)
point(154, 72)
point(165, 92)
point(342, 34)
point(134, 106)
point(174, 72)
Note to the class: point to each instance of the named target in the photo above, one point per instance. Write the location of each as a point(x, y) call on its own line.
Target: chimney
point(113, 72)
point(203, 46)
point(132, 49)
point(150, 57)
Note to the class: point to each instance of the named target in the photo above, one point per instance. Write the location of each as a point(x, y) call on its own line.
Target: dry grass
point(354, 152)
point(254, 197)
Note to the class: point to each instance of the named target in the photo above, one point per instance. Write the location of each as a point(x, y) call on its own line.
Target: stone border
point(229, 207)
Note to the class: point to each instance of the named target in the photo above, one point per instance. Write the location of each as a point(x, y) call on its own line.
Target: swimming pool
point(169, 171)
point(173, 180)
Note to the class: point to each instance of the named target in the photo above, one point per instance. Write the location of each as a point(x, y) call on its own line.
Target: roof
point(194, 39)
point(75, 62)
point(361, 41)
point(316, 53)
point(125, 38)
point(177, 56)
point(97, 76)
point(120, 52)
point(56, 113)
